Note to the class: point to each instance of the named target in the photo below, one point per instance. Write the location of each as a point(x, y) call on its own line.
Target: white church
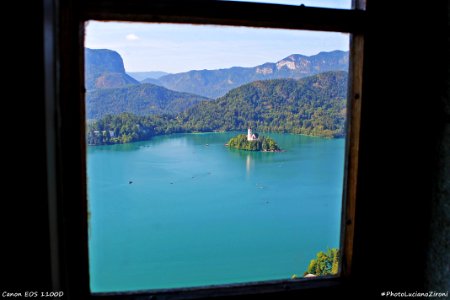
point(251, 136)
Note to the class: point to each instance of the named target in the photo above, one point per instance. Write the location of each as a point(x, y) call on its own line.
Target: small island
point(252, 142)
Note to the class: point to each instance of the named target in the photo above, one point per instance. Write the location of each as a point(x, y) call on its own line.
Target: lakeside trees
point(326, 263)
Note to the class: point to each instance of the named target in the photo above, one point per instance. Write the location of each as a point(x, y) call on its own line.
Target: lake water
point(184, 210)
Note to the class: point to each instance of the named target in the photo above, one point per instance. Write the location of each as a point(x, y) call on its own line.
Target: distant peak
point(295, 57)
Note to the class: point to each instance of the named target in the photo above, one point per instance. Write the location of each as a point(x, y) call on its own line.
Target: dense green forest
point(265, 144)
point(314, 105)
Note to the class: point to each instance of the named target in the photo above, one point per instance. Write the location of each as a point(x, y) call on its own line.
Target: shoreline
point(221, 132)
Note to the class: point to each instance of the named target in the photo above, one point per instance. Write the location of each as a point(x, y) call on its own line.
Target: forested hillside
point(142, 99)
point(314, 105)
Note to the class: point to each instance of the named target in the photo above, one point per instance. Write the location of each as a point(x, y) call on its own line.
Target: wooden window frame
point(64, 22)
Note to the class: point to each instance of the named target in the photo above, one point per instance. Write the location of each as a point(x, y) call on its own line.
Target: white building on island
point(251, 136)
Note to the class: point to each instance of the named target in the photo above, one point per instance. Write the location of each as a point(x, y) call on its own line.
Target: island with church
point(253, 142)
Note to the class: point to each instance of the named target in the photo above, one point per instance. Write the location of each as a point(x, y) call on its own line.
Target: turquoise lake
point(184, 210)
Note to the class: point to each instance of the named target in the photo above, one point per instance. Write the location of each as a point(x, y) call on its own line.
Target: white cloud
point(132, 37)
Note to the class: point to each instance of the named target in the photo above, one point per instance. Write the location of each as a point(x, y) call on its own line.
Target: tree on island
point(265, 144)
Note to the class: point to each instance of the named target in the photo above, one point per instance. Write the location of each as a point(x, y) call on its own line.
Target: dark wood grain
point(227, 13)
point(352, 149)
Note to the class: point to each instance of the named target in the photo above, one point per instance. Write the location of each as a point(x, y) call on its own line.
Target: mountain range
point(314, 104)
point(216, 83)
point(110, 90)
point(105, 69)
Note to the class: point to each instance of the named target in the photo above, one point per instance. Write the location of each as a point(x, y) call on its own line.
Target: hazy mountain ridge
point(144, 75)
point(104, 69)
point(216, 83)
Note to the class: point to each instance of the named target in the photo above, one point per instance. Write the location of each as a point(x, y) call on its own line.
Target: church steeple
point(250, 135)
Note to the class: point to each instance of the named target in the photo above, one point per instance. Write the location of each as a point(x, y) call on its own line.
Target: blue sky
point(178, 48)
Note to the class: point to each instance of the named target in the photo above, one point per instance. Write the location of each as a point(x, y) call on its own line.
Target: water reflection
point(248, 164)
